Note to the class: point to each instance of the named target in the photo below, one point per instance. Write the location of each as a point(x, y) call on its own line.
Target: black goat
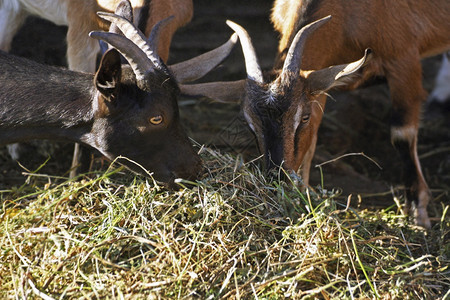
point(124, 110)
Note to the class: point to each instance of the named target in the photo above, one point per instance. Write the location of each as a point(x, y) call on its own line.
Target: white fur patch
point(13, 150)
point(249, 121)
point(297, 118)
point(407, 133)
point(10, 5)
point(9, 10)
point(441, 92)
point(3, 28)
point(52, 10)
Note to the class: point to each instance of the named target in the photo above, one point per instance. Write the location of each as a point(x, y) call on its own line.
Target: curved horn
point(125, 10)
point(137, 59)
point(199, 66)
point(294, 57)
point(225, 91)
point(153, 39)
point(251, 61)
point(138, 38)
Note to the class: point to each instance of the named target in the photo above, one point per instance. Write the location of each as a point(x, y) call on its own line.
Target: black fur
point(108, 112)
point(398, 117)
point(28, 96)
point(269, 108)
point(409, 170)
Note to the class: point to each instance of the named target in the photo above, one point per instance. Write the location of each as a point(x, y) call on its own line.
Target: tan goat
point(285, 111)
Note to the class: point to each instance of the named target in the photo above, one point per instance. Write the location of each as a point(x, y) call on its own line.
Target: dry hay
point(235, 234)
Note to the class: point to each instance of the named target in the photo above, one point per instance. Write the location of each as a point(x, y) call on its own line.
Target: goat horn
point(293, 60)
point(251, 61)
point(153, 39)
point(125, 10)
point(225, 91)
point(199, 66)
point(136, 36)
point(137, 59)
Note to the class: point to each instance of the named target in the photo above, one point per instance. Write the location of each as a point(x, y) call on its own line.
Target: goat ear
point(335, 76)
point(107, 78)
point(225, 92)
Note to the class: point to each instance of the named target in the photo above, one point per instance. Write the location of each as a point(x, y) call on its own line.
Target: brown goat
point(285, 112)
point(81, 18)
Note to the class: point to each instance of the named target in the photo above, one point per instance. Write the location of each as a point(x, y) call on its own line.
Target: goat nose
point(192, 170)
point(199, 170)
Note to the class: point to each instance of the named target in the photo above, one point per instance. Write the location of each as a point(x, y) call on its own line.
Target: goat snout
point(192, 170)
point(191, 174)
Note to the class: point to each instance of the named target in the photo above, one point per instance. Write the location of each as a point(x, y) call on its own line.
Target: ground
point(354, 122)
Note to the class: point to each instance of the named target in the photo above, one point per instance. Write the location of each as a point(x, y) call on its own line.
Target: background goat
point(285, 110)
point(122, 110)
point(81, 18)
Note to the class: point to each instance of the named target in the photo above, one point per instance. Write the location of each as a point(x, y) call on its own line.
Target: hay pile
point(233, 235)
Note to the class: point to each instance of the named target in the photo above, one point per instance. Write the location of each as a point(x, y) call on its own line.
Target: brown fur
point(81, 18)
point(81, 46)
point(392, 29)
point(399, 32)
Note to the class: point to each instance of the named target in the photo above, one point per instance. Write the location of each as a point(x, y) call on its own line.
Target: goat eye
point(156, 120)
point(305, 118)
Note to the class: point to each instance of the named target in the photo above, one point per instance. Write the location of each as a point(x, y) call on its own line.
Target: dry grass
point(233, 235)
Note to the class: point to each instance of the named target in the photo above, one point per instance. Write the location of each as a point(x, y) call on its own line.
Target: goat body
point(394, 30)
point(313, 58)
point(28, 100)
